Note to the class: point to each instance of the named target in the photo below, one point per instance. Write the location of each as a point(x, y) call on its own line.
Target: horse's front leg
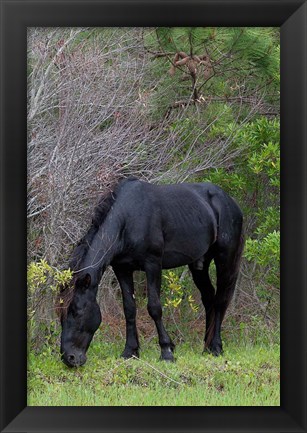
point(153, 275)
point(125, 279)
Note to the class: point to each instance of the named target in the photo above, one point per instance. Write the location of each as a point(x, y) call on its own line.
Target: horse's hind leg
point(153, 275)
point(216, 302)
point(203, 283)
point(125, 279)
point(227, 268)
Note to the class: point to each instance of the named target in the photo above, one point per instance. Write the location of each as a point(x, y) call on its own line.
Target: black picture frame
point(16, 16)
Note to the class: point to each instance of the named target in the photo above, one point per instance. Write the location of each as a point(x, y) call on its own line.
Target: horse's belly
point(179, 254)
point(174, 260)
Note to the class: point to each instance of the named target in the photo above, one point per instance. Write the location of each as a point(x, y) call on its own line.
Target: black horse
point(141, 226)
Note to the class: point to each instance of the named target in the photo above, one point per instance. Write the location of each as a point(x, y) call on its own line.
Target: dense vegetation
point(167, 105)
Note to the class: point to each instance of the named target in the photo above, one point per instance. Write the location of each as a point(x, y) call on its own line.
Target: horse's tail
point(229, 289)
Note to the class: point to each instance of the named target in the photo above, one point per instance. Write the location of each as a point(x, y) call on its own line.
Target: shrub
point(44, 282)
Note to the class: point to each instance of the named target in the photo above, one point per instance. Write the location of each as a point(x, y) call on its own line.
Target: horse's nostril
point(75, 359)
point(71, 358)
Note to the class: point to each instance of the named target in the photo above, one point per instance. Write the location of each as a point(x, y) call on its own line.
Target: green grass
point(246, 375)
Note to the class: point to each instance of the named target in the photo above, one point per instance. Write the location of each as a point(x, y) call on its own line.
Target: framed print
point(166, 92)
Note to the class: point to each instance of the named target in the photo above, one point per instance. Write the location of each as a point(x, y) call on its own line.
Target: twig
point(158, 371)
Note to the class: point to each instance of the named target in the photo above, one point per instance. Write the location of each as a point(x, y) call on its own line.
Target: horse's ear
point(84, 282)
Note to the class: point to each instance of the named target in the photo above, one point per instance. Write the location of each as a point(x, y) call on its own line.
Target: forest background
point(166, 105)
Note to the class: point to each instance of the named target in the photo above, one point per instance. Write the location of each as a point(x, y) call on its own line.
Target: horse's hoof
point(167, 359)
point(167, 355)
point(215, 351)
point(127, 354)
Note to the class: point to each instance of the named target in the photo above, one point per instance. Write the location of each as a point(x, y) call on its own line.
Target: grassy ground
point(246, 375)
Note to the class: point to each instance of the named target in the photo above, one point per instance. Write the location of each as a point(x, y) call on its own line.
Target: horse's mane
point(99, 215)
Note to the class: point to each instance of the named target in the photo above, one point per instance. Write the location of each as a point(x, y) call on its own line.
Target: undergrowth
point(247, 374)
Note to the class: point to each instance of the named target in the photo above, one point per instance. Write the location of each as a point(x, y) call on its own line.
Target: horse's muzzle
point(74, 359)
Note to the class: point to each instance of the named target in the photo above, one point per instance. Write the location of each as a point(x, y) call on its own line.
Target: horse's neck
point(103, 248)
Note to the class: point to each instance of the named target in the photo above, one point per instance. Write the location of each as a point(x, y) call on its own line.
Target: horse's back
point(181, 204)
point(180, 222)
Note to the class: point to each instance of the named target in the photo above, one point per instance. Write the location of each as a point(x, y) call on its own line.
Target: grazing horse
point(147, 227)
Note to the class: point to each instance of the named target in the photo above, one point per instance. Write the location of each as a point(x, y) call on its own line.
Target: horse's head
point(80, 322)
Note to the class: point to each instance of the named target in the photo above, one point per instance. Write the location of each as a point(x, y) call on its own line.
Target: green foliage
point(175, 291)
point(265, 252)
point(267, 161)
point(261, 131)
point(44, 282)
point(254, 178)
point(42, 276)
point(269, 220)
